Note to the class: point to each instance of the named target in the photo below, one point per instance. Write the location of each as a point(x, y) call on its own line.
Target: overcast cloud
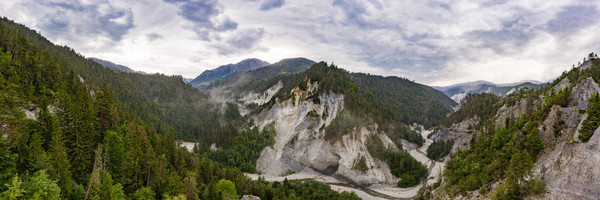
point(435, 42)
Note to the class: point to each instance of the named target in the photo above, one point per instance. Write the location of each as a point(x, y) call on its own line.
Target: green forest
point(507, 153)
point(64, 136)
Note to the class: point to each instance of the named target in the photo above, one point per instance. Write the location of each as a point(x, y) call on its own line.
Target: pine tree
point(144, 193)
point(140, 159)
point(39, 185)
point(116, 153)
point(175, 184)
point(190, 186)
point(109, 190)
point(39, 159)
point(106, 110)
point(591, 123)
point(7, 163)
point(14, 190)
point(77, 122)
point(61, 167)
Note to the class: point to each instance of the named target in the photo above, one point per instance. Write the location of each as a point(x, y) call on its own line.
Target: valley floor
point(376, 191)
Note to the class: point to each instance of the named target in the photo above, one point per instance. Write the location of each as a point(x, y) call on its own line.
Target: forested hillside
point(164, 102)
point(410, 102)
point(72, 129)
point(527, 144)
point(391, 104)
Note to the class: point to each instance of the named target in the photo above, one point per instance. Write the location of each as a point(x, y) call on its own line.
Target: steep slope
point(115, 67)
point(337, 123)
point(527, 144)
point(424, 105)
point(165, 102)
point(459, 91)
point(61, 139)
point(226, 71)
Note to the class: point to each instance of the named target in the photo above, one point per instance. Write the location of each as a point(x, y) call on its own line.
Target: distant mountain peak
point(115, 67)
point(227, 71)
point(459, 91)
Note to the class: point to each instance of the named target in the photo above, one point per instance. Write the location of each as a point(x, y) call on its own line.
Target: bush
point(407, 181)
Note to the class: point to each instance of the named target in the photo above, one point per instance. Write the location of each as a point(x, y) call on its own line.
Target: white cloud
point(432, 42)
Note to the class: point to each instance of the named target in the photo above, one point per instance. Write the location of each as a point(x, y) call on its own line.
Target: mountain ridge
point(458, 92)
point(115, 67)
point(226, 71)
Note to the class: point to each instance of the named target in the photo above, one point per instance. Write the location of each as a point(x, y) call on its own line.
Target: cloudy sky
point(435, 42)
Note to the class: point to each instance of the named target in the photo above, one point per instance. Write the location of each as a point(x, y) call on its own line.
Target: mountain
point(73, 129)
point(324, 120)
point(459, 91)
point(79, 129)
point(187, 80)
point(116, 67)
point(257, 79)
point(528, 144)
point(226, 71)
point(130, 122)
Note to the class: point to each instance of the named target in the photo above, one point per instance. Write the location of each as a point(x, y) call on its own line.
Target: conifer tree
point(14, 190)
point(106, 110)
point(77, 121)
point(116, 153)
point(190, 186)
point(7, 163)
point(61, 167)
point(40, 186)
point(591, 123)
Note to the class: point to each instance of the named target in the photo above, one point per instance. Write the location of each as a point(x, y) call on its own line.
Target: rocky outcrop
point(514, 112)
point(461, 133)
point(561, 85)
point(299, 142)
point(262, 98)
point(250, 197)
point(571, 170)
point(568, 167)
point(561, 124)
point(582, 92)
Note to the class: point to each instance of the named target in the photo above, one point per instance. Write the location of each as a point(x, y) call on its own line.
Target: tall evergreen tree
point(116, 152)
point(61, 167)
point(106, 110)
point(591, 123)
point(7, 163)
point(77, 121)
point(40, 186)
point(190, 186)
point(140, 159)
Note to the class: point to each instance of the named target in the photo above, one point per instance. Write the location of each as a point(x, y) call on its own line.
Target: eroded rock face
point(461, 133)
point(262, 98)
point(570, 168)
point(514, 112)
point(582, 92)
point(299, 143)
point(561, 85)
point(566, 121)
point(572, 171)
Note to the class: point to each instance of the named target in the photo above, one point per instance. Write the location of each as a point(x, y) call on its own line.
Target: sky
point(434, 42)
